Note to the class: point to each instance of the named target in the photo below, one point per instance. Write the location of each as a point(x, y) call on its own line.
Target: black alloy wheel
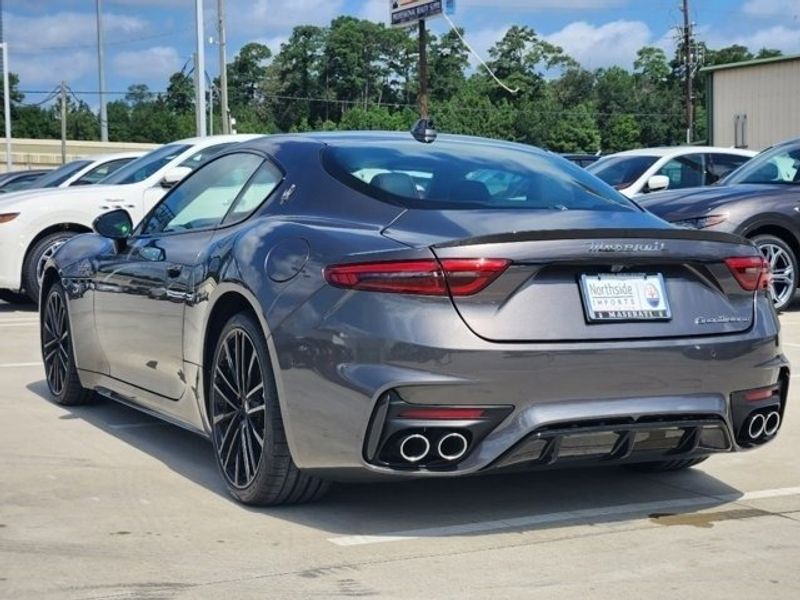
point(56, 340)
point(246, 424)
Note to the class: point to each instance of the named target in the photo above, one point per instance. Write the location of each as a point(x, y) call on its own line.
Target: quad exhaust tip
point(756, 427)
point(772, 423)
point(414, 447)
point(452, 446)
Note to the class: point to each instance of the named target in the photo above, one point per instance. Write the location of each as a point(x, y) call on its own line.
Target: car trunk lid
point(683, 285)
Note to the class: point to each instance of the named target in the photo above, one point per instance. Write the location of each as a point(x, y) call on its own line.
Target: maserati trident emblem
point(626, 247)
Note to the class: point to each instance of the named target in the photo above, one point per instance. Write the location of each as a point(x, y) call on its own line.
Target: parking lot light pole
point(200, 69)
point(7, 104)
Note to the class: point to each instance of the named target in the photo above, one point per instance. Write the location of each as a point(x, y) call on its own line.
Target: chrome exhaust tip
point(414, 447)
point(756, 427)
point(452, 446)
point(772, 423)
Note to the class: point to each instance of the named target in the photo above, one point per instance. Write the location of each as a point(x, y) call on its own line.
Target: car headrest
point(470, 191)
point(769, 172)
point(399, 184)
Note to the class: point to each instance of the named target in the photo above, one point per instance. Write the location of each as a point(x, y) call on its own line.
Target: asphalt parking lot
point(105, 502)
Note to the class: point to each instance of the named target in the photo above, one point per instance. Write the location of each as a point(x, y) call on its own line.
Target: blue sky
point(146, 40)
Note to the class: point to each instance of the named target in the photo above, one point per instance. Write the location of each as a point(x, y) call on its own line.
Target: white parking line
point(560, 517)
point(20, 365)
point(19, 323)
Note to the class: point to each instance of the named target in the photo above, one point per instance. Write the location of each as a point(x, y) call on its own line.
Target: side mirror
point(174, 176)
point(115, 225)
point(657, 183)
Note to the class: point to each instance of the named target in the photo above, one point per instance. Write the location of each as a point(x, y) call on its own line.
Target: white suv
point(84, 171)
point(33, 224)
point(638, 172)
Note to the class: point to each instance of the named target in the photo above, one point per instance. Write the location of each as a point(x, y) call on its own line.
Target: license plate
point(628, 297)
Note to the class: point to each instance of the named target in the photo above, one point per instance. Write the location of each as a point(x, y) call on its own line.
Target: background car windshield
point(61, 174)
point(142, 168)
point(779, 165)
point(463, 175)
point(621, 171)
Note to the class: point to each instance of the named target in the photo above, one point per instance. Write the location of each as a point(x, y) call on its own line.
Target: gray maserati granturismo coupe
point(331, 307)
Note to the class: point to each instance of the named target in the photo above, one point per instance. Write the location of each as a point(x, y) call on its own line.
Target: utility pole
point(7, 105)
point(200, 69)
point(101, 73)
point(223, 69)
point(63, 94)
point(423, 70)
point(688, 62)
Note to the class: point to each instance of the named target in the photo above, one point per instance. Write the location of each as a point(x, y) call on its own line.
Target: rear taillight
point(429, 277)
point(752, 272)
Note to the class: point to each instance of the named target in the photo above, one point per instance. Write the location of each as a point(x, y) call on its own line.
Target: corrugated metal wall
point(760, 103)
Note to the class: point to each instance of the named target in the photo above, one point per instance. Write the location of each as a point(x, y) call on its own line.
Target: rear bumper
point(331, 377)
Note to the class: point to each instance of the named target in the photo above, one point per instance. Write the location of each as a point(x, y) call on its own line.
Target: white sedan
point(33, 224)
point(85, 171)
point(638, 172)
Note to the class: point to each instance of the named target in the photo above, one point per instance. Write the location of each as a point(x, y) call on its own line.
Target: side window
point(202, 199)
point(719, 165)
point(684, 171)
point(202, 155)
point(261, 185)
point(101, 171)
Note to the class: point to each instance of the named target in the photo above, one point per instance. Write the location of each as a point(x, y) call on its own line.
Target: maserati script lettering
point(599, 247)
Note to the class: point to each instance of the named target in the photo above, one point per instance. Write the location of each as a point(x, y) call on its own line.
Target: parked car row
point(36, 222)
point(364, 305)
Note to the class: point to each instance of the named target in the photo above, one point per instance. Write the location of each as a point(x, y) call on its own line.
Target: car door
point(141, 292)
point(719, 165)
point(684, 171)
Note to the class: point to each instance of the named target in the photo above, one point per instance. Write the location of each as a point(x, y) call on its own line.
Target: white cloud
point(536, 5)
point(772, 8)
point(786, 39)
point(158, 62)
point(37, 71)
point(65, 30)
point(279, 15)
point(375, 10)
point(482, 40)
point(596, 46)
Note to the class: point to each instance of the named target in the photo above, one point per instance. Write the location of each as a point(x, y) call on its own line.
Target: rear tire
point(667, 465)
point(33, 268)
point(246, 424)
point(59, 361)
point(784, 264)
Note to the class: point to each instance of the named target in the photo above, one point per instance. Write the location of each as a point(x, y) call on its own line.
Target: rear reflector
point(760, 394)
point(441, 413)
point(462, 276)
point(752, 272)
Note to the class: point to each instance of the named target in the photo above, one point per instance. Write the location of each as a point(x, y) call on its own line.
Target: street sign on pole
point(409, 12)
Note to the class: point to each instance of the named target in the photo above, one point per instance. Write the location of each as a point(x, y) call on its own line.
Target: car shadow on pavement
point(11, 308)
point(381, 508)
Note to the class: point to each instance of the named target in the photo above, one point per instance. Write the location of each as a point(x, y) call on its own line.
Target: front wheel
point(246, 424)
point(59, 360)
point(36, 260)
point(783, 262)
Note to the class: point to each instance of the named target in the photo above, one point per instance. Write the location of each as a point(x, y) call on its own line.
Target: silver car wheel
point(784, 277)
point(46, 255)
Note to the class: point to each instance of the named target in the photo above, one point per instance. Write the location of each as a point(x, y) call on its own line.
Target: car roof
point(114, 156)
point(333, 138)
point(212, 140)
point(680, 150)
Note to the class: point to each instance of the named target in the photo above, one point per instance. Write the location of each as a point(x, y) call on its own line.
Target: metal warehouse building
point(754, 104)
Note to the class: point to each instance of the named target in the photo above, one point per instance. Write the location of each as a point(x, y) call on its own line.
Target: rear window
point(621, 171)
point(451, 174)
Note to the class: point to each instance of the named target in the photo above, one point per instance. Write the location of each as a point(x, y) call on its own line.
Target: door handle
point(174, 271)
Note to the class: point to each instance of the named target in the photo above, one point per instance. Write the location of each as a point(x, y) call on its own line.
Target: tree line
point(356, 74)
